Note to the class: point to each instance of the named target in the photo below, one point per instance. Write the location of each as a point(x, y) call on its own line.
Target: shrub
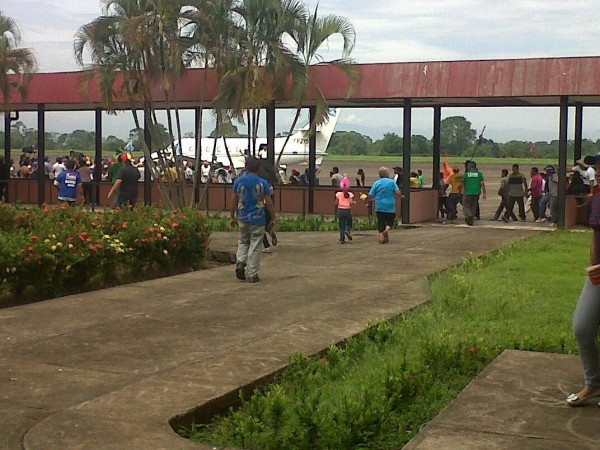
point(51, 252)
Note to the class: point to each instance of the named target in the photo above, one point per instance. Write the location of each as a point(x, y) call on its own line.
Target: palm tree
point(257, 67)
point(210, 34)
point(134, 47)
point(16, 64)
point(308, 38)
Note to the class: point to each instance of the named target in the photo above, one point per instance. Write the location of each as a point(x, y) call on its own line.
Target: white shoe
point(267, 250)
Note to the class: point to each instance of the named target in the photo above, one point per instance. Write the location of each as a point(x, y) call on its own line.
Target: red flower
point(34, 238)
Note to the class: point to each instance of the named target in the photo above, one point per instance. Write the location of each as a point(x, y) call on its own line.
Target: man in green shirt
point(473, 187)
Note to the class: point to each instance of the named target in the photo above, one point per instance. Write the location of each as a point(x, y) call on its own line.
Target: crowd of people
point(537, 195)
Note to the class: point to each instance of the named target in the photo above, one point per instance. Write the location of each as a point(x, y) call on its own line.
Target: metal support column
point(147, 170)
point(271, 133)
point(562, 159)
point(578, 131)
point(198, 162)
point(7, 145)
point(97, 158)
point(312, 160)
point(437, 124)
point(406, 144)
point(41, 150)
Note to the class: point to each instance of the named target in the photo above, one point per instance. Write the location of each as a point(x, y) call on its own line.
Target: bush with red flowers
point(46, 252)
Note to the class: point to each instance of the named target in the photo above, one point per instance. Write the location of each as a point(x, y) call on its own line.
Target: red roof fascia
point(577, 76)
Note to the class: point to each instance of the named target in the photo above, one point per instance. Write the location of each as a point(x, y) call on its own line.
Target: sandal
point(576, 400)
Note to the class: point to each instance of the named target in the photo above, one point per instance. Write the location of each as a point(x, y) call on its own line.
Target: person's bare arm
point(114, 188)
point(483, 190)
point(233, 209)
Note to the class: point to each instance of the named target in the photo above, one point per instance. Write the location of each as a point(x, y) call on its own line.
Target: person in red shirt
point(536, 190)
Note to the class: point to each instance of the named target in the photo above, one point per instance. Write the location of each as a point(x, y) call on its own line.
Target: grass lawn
point(429, 159)
point(379, 390)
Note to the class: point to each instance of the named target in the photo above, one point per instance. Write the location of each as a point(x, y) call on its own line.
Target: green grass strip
point(379, 390)
point(215, 223)
point(459, 160)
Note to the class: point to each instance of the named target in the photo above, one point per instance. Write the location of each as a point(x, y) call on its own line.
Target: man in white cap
point(587, 172)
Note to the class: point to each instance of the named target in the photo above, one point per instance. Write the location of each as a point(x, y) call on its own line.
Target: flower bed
point(46, 252)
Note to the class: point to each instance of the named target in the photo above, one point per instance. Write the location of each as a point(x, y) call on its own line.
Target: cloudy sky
point(386, 31)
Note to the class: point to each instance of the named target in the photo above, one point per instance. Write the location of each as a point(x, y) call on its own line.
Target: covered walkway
point(551, 82)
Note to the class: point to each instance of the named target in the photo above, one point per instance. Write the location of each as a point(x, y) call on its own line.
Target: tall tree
point(456, 135)
point(309, 36)
point(259, 63)
point(135, 47)
point(16, 63)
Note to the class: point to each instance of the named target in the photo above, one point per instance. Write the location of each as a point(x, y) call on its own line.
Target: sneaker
point(342, 241)
point(267, 250)
point(348, 235)
point(253, 279)
point(240, 271)
point(542, 219)
point(273, 237)
point(504, 219)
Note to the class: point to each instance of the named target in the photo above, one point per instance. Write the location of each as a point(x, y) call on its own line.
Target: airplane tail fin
point(325, 131)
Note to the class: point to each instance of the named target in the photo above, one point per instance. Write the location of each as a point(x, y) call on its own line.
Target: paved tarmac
point(110, 369)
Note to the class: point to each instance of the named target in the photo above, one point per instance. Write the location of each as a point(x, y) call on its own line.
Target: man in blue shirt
point(69, 184)
point(251, 195)
point(384, 191)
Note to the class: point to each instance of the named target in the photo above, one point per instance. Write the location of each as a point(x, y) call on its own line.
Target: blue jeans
point(250, 245)
point(345, 221)
point(586, 322)
point(551, 203)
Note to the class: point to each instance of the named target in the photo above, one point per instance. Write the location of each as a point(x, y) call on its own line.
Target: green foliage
point(70, 249)
point(456, 135)
point(391, 144)
point(348, 143)
point(384, 385)
point(310, 223)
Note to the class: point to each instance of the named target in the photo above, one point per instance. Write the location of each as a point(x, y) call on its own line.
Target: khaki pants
point(250, 245)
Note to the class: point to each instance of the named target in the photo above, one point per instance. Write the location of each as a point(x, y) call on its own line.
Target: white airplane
point(295, 152)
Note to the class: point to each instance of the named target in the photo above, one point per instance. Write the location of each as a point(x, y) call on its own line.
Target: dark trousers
point(511, 204)
point(453, 201)
point(535, 207)
point(443, 206)
point(265, 240)
point(501, 206)
point(470, 206)
point(345, 221)
point(385, 219)
point(87, 193)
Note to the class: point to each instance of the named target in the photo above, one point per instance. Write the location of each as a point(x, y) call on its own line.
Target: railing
point(287, 199)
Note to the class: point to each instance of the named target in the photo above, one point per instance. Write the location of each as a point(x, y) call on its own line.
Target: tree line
point(457, 138)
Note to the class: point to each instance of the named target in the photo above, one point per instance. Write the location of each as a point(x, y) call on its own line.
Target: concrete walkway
point(110, 369)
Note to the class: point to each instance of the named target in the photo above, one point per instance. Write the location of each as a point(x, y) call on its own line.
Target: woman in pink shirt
point(344, 200)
